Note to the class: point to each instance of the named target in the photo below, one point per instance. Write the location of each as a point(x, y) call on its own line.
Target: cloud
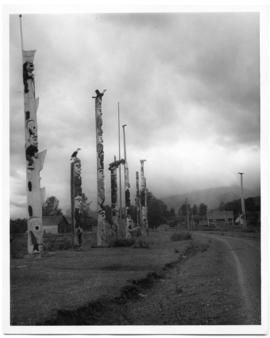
point(188, 86)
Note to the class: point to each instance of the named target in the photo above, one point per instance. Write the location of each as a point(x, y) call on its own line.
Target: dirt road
point(216, 283)
point(245, 254)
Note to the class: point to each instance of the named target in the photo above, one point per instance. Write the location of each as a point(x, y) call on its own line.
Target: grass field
point(66, 279)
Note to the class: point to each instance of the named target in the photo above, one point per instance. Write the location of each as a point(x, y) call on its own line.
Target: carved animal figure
point(28, 68)
point(74, 154)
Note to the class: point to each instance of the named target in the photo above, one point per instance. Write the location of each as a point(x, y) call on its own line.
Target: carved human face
point(77, 168)
point(29, 68)
point(32, 132)
point(34, 224)
point(78, 202)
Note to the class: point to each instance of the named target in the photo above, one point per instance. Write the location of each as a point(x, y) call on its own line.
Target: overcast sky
point(189, 91)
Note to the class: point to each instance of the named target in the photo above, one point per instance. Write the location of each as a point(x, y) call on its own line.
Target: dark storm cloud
point(185, 82)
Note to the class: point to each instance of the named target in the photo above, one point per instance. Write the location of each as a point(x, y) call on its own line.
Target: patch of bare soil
point(197, 289)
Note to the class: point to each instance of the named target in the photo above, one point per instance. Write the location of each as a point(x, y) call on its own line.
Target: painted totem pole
point(34, 158)
point(144, 221)
point(115, 212)
point(101, 226)
point(76, 191)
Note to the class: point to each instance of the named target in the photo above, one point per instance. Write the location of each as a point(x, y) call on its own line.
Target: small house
point(218, 217)
point(55, 224)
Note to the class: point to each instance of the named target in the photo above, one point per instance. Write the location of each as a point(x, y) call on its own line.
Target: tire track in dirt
point(242, 275)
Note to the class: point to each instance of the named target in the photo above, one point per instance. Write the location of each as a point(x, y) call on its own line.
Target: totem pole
point(34, 158)
point(76, 192)
point(144, 221)
point(137, 200)
point(115, 212)
point(101, 226)
point(127, 187)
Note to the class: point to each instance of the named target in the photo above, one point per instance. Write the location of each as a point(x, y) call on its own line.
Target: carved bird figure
point(74, 154)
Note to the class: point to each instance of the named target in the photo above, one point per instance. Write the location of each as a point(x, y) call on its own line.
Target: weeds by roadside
point(181, 236)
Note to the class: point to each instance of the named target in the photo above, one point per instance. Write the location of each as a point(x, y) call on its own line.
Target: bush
point(54, 242)
point(18, 246)
point(180, 236)
point(122, 243)
point(141, 243)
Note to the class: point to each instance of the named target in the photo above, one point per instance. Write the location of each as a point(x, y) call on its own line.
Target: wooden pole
point(243, 202)
point(101, 227)
point(34, 158)
point(72, 200)
point(120, 173)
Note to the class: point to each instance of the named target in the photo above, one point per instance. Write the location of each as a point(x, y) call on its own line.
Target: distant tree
point(221, 206)
point(184, 209)
point(50, 207)
point(157, 211)
point(172, 212)
point(253, 207)
point(18, 225)
point(202, 209)
point(194, 210)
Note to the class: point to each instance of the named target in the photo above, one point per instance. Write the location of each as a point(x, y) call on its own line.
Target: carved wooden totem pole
point(76, 191)
point(137, 200)
point(144, 220)
point(101, 226)
point(114, 191)
point(34, 158)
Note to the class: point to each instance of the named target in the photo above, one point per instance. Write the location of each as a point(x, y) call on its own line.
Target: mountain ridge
point(212, 197)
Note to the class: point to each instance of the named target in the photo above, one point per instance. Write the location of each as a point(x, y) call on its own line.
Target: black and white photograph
point(135, 170)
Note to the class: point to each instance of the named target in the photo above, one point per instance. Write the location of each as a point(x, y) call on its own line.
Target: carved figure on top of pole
point(144, 220)
point(34, 158)
point(101, 227)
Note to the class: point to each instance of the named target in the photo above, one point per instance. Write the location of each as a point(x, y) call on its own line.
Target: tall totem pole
point(144, 220)
point(101, 226)
point(137, 200)
point(34, 158)
point(76, 191)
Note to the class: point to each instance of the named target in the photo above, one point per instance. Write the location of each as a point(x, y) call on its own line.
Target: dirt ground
point(210, 280)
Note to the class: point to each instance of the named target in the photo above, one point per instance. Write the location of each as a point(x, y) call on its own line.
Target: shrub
point(122, 243)
point(54, 242)
point(141, 243)
point(181, 236)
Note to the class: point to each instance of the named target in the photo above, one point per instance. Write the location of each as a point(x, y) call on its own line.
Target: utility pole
point(187, 211)
point(244, 219)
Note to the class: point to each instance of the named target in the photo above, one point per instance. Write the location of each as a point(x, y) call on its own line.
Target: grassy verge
point(68, 280)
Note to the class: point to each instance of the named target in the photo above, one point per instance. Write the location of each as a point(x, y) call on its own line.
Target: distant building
point(217, 217)
point(55, 224)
